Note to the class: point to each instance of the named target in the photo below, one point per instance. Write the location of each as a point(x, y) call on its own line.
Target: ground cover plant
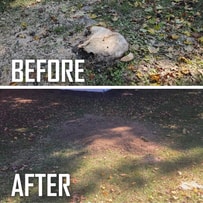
point(118, 146)
point(165, 38)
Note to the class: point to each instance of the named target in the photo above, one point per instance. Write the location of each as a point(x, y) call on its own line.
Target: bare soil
point(24, 114)
point(126, 120)
point(106, 133)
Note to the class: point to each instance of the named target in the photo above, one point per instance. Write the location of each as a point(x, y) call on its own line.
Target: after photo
point(103, 146)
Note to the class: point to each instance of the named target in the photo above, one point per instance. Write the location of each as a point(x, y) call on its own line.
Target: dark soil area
point(104, 133)
point(143, 140)
point(83, 113)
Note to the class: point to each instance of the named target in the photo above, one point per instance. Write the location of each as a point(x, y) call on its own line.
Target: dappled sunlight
point(55, 104)
point(23, 3)
point(15, 102)
point(18, 102)
point(181, 162)
point(123, 138)
point(64, 153)
point(23, 101)
point(21, 130)
point(105, 176)
point(102, 133)
point(111, 168)
point(121, 129)
point(200, 115)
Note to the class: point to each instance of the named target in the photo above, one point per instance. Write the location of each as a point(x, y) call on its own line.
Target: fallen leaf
point(93, 16)
point(143, 30)
point(153, 50)
point(128, 57)
point(188, 42)
point(101, 23)
point(53, 18)
point(23, 25)
point(200, 39)
point(36, 37)
point(187, 33)
point(138, 4)
point(139, 75)
point(185, 71)
point(115, 18)
point(184, 131)
point(22, 36)
point(174, 36)
point(73, 9)
point(105, 193)
point(74, 180)
point(151, 197)
point(112, 190)
point(154, 77)
point(91, 76)
point(175, 197)
point(13, 83)
point(4, 168)
point(190, 185)
point(151, 31)
point(183, 59)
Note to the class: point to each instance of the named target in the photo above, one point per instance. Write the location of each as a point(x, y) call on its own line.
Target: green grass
point(110, 175)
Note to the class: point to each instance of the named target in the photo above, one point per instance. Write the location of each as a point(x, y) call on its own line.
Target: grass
point(31, 142)
point(141, 25)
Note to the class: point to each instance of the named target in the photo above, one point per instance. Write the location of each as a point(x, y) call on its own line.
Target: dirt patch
point(104, 133)
point(41, 31)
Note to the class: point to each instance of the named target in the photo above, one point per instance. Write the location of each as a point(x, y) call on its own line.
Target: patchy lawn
point(119, 146)
point(166, 38)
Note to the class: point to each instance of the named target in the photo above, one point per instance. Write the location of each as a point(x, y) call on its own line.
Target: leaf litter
point(165, 39)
